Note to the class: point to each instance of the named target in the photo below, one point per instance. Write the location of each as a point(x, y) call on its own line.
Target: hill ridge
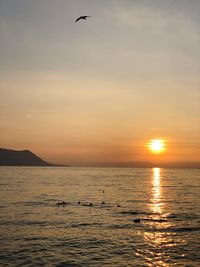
point(10, 157)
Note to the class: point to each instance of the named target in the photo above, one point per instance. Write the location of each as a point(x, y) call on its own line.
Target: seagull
point(82, 17)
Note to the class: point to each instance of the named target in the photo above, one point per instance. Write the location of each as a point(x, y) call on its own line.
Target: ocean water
point(35, 231)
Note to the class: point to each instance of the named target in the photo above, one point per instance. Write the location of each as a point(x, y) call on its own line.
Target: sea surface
point(97, 226)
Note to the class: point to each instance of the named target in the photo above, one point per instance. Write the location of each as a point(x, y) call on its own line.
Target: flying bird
point(82, 17)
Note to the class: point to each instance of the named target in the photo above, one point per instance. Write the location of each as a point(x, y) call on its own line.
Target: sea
point(57, 216)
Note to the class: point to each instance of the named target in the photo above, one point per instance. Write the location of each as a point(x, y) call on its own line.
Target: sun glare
point(157, 146)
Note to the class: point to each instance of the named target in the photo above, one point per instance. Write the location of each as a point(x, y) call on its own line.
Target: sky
point(99, 90)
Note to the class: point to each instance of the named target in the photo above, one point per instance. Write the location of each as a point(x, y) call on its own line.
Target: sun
point(156, 146)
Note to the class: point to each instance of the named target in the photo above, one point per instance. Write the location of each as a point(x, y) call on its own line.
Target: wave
point(80, 225)
point(136, 212)
point(174, 230)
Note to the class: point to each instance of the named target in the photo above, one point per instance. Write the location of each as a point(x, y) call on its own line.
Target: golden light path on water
point(159, 240)
point(156, 205)
point(155, 239)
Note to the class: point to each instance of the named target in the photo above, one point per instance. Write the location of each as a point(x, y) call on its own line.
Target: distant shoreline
point(26, 158)
point(100, 167)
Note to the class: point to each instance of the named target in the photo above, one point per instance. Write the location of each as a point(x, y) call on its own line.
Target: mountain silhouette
point(10, 157)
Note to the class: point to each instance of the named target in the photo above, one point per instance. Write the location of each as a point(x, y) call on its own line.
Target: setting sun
point(156, 146)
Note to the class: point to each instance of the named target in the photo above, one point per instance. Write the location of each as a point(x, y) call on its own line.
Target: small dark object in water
point(118, 205)
point(102, 203)
point(103, 191)
point(79, 202)
point(137, 220)
point(62, 203)
point(90, 204)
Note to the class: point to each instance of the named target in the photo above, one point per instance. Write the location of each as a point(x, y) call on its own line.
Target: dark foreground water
point(34, 231)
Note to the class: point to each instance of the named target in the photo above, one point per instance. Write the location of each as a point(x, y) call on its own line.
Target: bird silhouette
point(82, 17)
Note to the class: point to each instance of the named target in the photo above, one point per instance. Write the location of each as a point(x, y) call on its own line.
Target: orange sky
point(99, 90)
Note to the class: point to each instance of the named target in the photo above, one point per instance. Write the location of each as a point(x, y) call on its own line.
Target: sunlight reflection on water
point(157, 237)
point(156, 205)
